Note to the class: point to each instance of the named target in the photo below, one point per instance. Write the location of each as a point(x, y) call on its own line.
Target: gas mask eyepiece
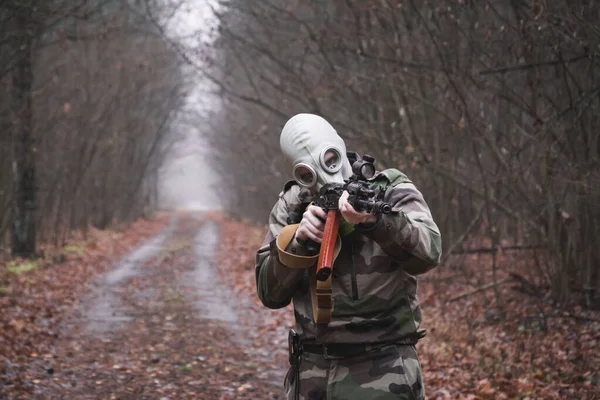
point(305, 175)
point(331, 160)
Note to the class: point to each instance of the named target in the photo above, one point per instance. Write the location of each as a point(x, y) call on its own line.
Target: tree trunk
point(23, 163)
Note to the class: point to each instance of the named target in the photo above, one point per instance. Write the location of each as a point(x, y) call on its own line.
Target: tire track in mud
point(216, 300)
point(161, 325)
point(103, 309)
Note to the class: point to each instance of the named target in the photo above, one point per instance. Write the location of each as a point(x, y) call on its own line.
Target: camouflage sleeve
point(276, 283)
point(408, 233)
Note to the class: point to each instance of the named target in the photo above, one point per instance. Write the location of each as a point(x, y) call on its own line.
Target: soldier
point(367, 348)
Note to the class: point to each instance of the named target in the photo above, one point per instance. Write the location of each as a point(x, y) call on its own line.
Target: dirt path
point(178, 318)
point(161, 325)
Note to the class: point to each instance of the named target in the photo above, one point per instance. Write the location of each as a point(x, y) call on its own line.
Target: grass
point(18, 268)
point(71, 248)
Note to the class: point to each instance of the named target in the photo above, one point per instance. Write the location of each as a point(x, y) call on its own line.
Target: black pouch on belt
point(295, 351)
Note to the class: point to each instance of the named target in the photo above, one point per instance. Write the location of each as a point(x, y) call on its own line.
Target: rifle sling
point(288, 259)
point(320, 291)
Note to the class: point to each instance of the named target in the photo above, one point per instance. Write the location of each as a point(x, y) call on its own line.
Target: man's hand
point(312, 224)
point(352, 216)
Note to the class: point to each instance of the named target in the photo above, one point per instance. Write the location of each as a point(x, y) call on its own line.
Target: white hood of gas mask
point(309, 142)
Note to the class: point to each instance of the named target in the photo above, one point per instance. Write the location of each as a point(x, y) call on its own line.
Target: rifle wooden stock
point(326, 254)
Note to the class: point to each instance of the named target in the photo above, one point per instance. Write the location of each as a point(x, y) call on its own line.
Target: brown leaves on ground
point(506, 342)
point(164, 349)
point(236, 253)
point(521, 347)
point(472, 351)
point(34, 303)
point(168, 351)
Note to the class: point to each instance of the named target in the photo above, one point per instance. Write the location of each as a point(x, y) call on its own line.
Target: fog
point(187, 180)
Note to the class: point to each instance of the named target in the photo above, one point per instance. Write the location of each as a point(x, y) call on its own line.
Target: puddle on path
point(103, 311)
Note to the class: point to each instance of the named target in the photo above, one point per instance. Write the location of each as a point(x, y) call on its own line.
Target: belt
point(344, 350)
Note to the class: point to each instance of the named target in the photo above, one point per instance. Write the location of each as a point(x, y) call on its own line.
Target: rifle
point(361, 198)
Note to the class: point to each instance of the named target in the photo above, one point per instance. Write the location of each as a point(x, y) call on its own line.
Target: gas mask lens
point(331, 160)
point(305, 175)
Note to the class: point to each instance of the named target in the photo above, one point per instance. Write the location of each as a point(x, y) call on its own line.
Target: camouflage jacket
point(373, 278)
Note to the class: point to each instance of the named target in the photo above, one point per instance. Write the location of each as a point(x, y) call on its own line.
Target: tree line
point(89, 91)
point(491, 107)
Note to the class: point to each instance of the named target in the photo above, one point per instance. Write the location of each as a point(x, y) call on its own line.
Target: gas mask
point(317, 152)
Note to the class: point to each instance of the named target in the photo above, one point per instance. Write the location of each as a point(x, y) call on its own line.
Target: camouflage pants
point(391, 372)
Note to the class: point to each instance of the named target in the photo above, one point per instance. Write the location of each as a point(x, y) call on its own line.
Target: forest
point(491, 108)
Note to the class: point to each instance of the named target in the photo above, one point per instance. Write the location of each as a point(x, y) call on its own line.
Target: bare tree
point(94, 90)
point(491, 107)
